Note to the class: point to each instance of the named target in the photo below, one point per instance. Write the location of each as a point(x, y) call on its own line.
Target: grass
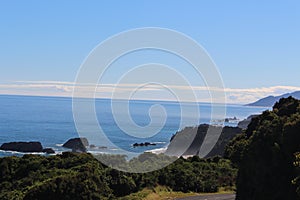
point(164, 193)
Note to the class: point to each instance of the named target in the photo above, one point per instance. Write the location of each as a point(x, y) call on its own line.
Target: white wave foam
point(158, 150)
point(21, 153)
point(159, 142)
point(97, 152)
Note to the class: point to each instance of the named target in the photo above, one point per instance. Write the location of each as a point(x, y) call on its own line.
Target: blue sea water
point(50, 121)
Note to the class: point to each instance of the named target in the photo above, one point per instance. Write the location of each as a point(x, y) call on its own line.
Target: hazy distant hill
point(270, 100)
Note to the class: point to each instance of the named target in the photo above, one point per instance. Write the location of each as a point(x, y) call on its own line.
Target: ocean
point(50, 121)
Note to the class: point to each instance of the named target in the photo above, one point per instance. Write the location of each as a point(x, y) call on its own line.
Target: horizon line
point(103, 98)
point(236, 96)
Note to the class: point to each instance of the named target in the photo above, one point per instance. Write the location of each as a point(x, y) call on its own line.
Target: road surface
point(210, 197)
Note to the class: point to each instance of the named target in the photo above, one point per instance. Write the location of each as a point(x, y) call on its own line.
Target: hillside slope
point(195, 137)
point(271, 100)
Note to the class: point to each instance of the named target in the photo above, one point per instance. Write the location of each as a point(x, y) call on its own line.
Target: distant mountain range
point(271, 100)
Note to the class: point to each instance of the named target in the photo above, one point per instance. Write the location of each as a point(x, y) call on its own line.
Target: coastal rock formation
point(48, 151)
point(143, 144)
point(77, 144)
point(231, 119)
point(244, 123)
point(22, 146)
point(189, 141)
point(228, 133)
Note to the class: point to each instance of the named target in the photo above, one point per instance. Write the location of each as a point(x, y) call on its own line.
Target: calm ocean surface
point(50, 121)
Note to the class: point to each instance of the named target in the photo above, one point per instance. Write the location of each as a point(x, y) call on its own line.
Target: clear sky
point(255, 44)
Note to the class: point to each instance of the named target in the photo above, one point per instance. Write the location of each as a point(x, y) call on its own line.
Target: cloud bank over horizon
point(145, 92)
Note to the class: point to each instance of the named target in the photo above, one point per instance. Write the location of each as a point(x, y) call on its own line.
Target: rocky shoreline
point(25, 147)
point(177, 147)
point(75, 144)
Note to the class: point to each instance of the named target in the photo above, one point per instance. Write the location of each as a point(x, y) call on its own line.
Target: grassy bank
point(164, 193)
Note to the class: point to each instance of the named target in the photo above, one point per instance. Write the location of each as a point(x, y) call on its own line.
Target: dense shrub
point(81, 176)
point(265, 154)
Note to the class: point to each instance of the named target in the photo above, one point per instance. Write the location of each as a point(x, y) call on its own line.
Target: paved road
point(210, 197)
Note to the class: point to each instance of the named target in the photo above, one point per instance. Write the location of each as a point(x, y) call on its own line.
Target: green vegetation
point(156, 193)
point(163, 193)
point(81, 176)
point(267, 154)
point(296, 181)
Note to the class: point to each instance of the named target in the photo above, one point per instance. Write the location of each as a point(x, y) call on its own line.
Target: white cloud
point(151, 91)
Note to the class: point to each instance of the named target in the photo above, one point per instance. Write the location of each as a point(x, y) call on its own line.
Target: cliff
point(195, 137)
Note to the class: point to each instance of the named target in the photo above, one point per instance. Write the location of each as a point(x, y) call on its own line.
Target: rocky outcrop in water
point(143, 144)
point(77, 144)
point(48, 151)
point(22, 146)
point(26, 147)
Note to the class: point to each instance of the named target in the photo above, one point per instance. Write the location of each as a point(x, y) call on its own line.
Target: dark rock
point(77, 144)
point(48, 150)
point(228, 133)
point(231, 119)
point(244, 123)
point(143, 144)
point(22, 146)
point(135, 145)
point(188, 141)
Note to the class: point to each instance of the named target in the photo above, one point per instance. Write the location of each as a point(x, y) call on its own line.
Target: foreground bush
point(267, 154)
point(81, 176)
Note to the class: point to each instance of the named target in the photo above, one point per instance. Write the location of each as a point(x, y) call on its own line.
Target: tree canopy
point(267, 154)
point(72, 176)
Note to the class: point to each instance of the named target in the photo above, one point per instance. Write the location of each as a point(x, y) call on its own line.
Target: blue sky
point(255, 44)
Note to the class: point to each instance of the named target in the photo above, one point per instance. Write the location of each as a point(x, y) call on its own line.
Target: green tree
point(265, 154)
